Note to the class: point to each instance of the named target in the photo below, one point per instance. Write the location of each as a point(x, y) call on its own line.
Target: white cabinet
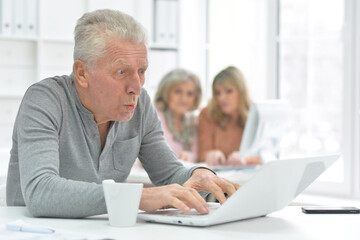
point(17, 66)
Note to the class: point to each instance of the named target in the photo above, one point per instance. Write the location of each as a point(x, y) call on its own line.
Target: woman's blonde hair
point(230, 76)
point(169, 80)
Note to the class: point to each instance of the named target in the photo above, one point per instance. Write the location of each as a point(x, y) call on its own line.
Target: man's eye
point(121, 71)
point(142, 71)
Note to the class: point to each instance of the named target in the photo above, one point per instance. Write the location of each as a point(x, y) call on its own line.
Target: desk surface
point(289, 223)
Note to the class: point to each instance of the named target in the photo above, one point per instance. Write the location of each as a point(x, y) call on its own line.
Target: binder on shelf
point(160, 21)
point(19, 17)
point(31, 24)
point(172, 21)
point(6, 17)
point(166, 16)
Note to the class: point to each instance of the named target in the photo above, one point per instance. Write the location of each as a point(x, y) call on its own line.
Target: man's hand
point(204, 180)
point(187, 197)
point(172, 196)
point(215, 157)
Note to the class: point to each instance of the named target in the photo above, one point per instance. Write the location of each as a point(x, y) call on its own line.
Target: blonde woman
point(178, 94)
point(222, 122)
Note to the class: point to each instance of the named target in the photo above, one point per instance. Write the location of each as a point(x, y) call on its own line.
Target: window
point(305, 52)
point(237, 36)
point(312, 78)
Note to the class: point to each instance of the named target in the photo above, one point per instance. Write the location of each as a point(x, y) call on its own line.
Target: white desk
point(289, 223)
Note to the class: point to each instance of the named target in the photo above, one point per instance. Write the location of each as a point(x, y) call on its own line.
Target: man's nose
point(135, 84)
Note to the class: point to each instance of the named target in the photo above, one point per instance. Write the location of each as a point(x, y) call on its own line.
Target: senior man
point(74, 131)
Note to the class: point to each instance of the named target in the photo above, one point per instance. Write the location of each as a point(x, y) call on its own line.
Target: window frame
point(355, 15)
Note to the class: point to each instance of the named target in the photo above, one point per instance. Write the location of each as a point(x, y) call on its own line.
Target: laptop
point(270, 189)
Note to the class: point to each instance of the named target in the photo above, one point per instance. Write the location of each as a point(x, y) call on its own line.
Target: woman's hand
point(186, 156)
point(234, 159)
point(215, 157)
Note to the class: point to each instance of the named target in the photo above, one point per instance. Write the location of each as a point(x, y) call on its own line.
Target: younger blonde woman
point(222, 122)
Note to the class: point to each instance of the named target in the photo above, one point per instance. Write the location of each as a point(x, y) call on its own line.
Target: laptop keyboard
point(175, 212)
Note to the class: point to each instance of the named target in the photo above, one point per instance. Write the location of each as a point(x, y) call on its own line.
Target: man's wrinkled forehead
point(129, 56)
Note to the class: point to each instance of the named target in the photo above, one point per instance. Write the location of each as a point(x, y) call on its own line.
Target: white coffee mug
point(122, 202)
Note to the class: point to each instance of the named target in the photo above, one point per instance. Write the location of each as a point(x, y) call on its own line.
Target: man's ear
point(81, 72)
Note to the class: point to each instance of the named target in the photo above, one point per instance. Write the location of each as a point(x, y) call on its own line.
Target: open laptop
point(271, 188)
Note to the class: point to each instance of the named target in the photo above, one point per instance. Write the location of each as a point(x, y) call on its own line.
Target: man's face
point(116, 80)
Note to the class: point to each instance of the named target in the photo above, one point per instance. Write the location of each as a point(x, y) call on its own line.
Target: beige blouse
point(213, 137)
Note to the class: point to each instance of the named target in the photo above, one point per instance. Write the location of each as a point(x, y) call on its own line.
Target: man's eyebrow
point(122, 63)
point(129, 64)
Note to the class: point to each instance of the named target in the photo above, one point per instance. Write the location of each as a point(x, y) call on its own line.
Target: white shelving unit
point(27, 57)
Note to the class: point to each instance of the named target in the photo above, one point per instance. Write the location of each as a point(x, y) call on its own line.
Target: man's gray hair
point(95, 29)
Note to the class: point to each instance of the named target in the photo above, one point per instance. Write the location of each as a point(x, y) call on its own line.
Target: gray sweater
point(57, 165)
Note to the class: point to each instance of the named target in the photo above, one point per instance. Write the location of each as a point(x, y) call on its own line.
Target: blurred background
point(306, 52)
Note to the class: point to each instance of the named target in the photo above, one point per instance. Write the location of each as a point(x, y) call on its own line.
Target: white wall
point(8, 111)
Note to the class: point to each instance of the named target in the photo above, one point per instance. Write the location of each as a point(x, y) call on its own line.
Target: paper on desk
point(57, 235)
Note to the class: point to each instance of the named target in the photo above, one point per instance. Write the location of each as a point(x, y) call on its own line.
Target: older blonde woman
point(222, 122)
point(178, 94)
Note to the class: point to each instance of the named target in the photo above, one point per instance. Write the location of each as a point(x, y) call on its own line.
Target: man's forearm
point(56, 197)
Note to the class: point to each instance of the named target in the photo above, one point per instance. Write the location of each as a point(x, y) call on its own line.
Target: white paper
point(57, 235)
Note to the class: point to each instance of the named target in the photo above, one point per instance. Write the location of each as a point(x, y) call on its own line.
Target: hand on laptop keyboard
point(175, 196)
point(187, 197)
point(204, 180)
point(175, 212)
